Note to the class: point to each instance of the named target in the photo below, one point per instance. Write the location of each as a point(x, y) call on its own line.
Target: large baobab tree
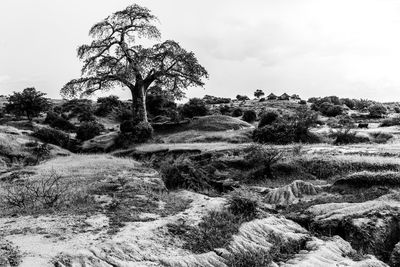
point(115, 58)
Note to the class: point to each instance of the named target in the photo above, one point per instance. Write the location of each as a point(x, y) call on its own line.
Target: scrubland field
point(243, 183)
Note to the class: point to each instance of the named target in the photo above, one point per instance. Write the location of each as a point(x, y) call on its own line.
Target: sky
point(348, 48)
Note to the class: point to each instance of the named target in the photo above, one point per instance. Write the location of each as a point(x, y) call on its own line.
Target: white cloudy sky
point(349, 48)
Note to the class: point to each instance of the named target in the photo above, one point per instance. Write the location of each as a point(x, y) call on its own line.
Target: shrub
point(46, 192)
point(86, 116)
point(159, 102)
point(377, 111)
point(225, 109)
point(9, 254)
point(194, 108)
point(390, 122)
point(303, 102)
point(397, 109)
point(362, 104)
point(254, 258)
point(381, 137)
point(208, 99)
point(243, 204)
point(183, 174)
point(77, 106)
point(133, 133)
point(215, 231)
point(346, 121)
point(288, 129)
point(346, 136)
point(258, 93)
point(237, 112)
point(242, 97)
point(88, 130)
point(267, 118)
point(106, 105)
point(52, 136)
point(329, 109)
point(40, 151)
point(124, 113)
point(249, 116)
point(56, 121)
point(262, 158)
point(348, 102)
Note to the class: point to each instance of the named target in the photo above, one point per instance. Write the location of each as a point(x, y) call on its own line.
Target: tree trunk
point(139, 103)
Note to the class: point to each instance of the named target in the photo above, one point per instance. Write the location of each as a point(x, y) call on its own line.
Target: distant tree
point(258, 93)
point(27, 103)
point(242, 97)
point(115, 58)
point(377, 111)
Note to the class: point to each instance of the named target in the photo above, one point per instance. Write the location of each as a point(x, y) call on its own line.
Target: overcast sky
point(349, 48)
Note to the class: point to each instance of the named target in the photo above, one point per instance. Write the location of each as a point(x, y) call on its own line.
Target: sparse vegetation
point(347, 136)
point(27, 195)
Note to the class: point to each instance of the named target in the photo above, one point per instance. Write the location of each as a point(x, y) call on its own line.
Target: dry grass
point(326, 167)
point(193, 136)
point(217, 123)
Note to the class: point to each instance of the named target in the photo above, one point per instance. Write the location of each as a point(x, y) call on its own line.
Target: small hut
point(271, 96)
point(295, 97)
point(284, 97)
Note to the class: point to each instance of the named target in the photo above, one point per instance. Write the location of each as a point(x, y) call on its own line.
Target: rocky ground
point(117, 211)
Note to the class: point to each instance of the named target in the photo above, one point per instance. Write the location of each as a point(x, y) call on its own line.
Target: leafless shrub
point(45, 192)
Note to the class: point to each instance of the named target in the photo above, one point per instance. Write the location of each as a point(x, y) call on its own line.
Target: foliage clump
point(249, 116)
point(132, 132)
point(196, 107)
point(57, 121)
point(377, 111)
point(29, 103)
point(9, 254)
point(347, 136)
point(52, 136)
point(267, 118)
point(288, 129)
point(105, 105)
point(237, 112)
point(88, 130)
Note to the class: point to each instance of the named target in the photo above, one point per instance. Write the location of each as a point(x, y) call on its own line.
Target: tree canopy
point(116, 58)
point(27, 103)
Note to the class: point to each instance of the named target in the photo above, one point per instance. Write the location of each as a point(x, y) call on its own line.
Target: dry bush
point(9, 254)
point(243, 203)
point(48, 191)
point(264, 157)
point(347, 136)
point(381, 137)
